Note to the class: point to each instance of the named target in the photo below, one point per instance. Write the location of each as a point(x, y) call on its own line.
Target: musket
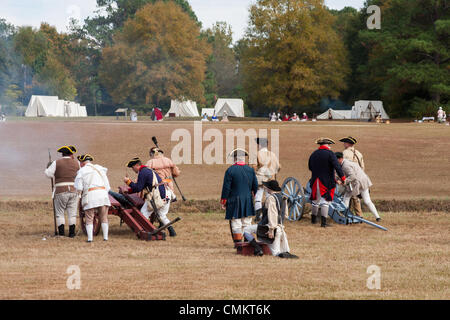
point(155, 141)
point(53, 196)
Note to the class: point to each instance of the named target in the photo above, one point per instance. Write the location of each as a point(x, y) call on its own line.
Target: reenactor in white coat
point(64, 195)
point(357, 182)
point(93, 184)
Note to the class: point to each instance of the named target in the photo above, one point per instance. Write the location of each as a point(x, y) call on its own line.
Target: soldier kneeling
point(270, 229)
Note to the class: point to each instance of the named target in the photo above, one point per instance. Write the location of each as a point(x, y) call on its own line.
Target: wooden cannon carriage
point(127, 208)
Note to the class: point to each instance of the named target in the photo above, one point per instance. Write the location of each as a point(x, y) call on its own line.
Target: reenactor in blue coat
point(323, 164)
point(239, 187)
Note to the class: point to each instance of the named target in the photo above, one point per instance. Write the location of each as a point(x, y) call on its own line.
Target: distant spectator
point(305, 117)
point(286, 117)
point(205, 117)
point(295, 117)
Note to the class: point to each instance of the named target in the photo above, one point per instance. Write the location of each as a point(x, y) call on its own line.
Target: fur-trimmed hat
point(323, 141)
point(85, 157)
point(349, 139)
point(133, 162)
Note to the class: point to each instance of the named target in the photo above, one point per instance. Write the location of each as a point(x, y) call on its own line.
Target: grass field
point(406, 162)
point(200, 262)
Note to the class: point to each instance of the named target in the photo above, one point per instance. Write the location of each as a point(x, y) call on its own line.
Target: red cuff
point(223, 201)
point(343, 178)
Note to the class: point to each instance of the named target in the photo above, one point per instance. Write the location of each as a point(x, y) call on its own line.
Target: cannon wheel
point(83, 222)
point(293, 190)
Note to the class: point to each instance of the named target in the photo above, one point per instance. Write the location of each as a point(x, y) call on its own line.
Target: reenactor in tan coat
point(351, 154)
point(65, 197)
point(266, 169)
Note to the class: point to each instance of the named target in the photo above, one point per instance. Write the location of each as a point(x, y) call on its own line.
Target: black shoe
point(258, 250)
point(72, 231)
point(378, 219)
point(258, 215)
point(324, 222)
point(313, 219)
point(61, 230)
point(172, 232)
point(287, 255)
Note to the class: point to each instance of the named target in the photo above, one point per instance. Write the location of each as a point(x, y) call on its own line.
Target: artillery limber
point(298, 197)
point(127, 207)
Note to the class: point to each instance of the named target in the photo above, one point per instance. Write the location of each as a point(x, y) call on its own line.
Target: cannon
point(297, 197)
point(127, 208)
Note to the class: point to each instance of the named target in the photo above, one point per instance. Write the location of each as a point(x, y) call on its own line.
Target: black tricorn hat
point(322, 141)
point(272, 185)
point(85, 157)
point(133, 162)
point(349, 140)
point(67, 150)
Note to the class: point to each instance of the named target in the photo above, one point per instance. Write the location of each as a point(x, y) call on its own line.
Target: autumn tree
point(48, 55)
point(409, 57)
point(222, 64)
point(154, 59)
point(294, 56)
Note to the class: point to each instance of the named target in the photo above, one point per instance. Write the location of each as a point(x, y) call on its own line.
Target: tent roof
point(366, 109)
point(234, 107)
point(336, 114)
point(121, 110)
point(183, 108)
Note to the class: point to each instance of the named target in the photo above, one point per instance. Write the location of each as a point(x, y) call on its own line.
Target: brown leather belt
point(96, 188)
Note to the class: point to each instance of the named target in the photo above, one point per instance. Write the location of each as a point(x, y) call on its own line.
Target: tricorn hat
point(349, 140)
point(67, 150)
point(85, 157)
point(272, 185)
point(322, 141)
point(238, 153)
point(133, 162)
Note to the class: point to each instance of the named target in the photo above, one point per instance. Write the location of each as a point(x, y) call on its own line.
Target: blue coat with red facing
point(323, 164)
point(144, 180)
point(239, 186)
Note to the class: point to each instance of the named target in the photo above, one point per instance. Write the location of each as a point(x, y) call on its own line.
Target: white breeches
point(238, 225)
point(147, 210)
point(366, 199)
point(280, 243)
point(321, 203)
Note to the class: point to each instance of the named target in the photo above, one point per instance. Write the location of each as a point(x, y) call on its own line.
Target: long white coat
point(87, 178)
point(356, 177)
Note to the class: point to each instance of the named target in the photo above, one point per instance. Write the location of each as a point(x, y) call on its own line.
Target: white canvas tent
point(209, 111)
point(42, 106)
point(183, 109)
point(365, 109)
point(335, 115)
point(233, 107)
point(51, 106)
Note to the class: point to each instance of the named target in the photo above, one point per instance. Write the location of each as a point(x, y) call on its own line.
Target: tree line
point(296, 56)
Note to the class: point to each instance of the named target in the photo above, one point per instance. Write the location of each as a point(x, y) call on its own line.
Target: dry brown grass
point(404, 161)
point(200, 263)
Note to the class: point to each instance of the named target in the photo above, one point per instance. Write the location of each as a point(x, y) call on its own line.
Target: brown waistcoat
point(66, 171)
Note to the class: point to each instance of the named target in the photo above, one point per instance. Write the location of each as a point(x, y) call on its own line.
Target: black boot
point(313, 219)
point(61, 230)
point(172, 232)
point(258, 250)
point(258, 215)
point(323, 222)
point(72, 231)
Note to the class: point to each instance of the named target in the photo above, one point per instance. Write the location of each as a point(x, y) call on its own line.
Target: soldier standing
point(323, 164)
point(91, 181)
point(64, 195)
point(351, 154)
point(239, 186)
point(166, 169)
